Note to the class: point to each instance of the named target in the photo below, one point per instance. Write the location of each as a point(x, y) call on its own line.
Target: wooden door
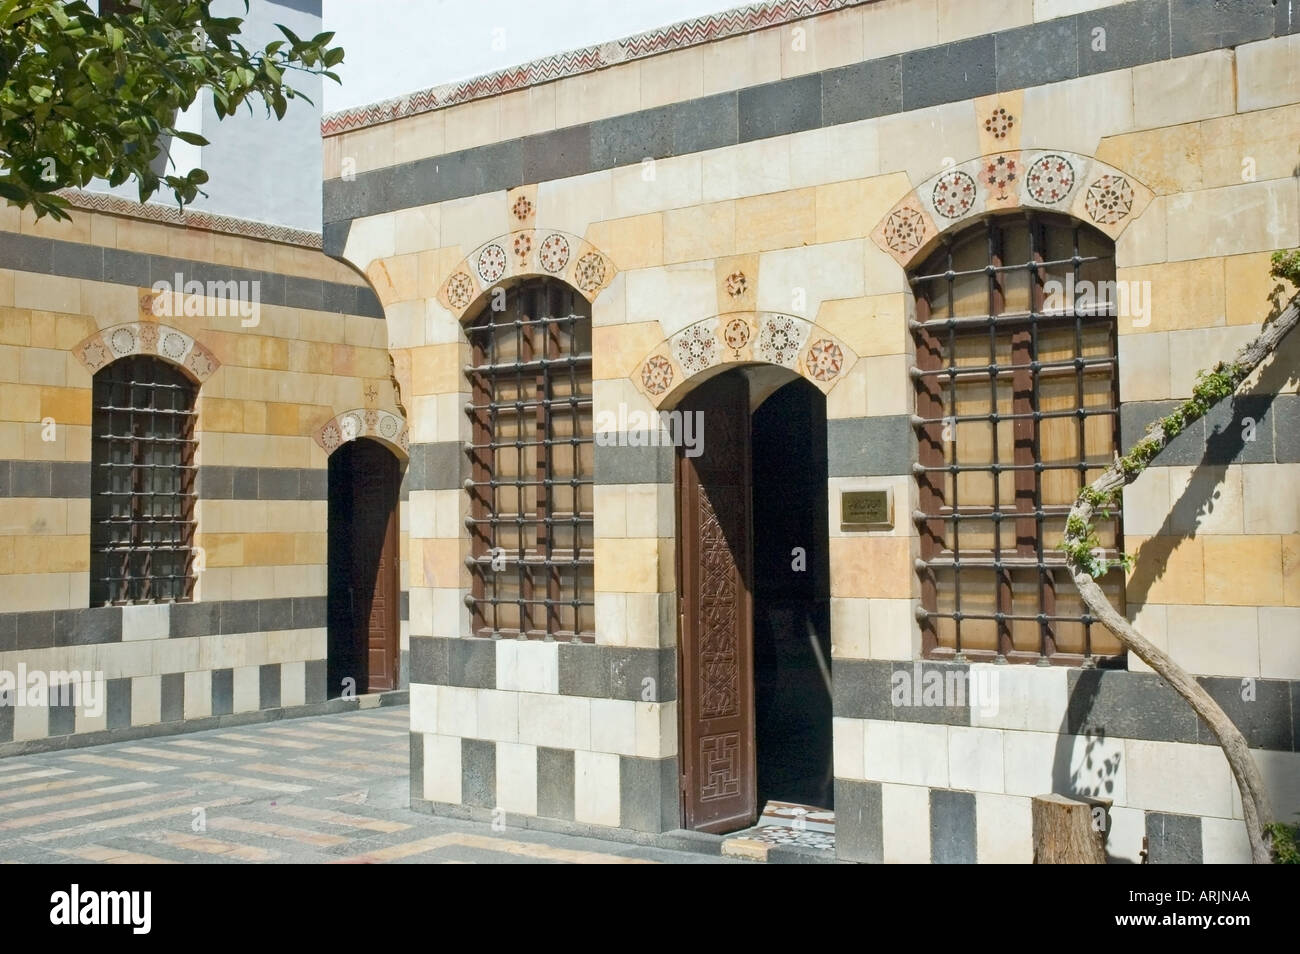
point(364, 565)
point(719, 791)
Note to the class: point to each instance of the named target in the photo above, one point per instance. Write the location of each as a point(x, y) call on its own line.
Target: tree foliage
point(88, 96)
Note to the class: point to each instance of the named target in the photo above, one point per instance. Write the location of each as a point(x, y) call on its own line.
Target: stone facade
point(75, 297)
point(744, 190)
point(782, 179)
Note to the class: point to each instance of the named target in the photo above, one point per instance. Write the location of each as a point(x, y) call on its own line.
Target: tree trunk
point(1254, 799)
point(1064, 833)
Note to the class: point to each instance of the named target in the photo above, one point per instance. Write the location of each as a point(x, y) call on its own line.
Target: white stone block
point(424, 708)
point(596, 790)
point(198, 691)
point(905, 822)
point(458, 711)
point(561, 722)
point(498, 715)
point(613, 726)
point(1183, 778)
point(146, 621)
point(1004, 829)
point(442, 769)
point(975, 759)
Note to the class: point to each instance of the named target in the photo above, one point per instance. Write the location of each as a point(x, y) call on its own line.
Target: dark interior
point(792, 607)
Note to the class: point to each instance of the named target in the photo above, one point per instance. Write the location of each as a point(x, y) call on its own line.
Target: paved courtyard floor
point(327, 789)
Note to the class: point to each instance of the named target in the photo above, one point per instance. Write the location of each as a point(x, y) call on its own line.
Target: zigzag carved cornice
point(191, 218)
point(676, 36)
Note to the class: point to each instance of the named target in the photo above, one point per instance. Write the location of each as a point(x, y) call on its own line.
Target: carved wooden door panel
point(719, 790)
point(375, 501)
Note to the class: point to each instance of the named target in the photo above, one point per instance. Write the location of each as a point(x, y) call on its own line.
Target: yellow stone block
point(282, 419)
point(619, 349)
point(633, 242)
point(1248, 287)
point(874, 325)
point(66, 405)
point(396, 278)
point(221, 414)
point(268, 549)
point(221, 549)
point(254, 417)
point(1291, 569)
point(7, 561)
point(55, 554)
point(627, 566)
point(71, 330)
point(438, 369)
point(20, 402)
point(777, 220)
point(310, 547)
point(1243, 570)
point(699, 232)
point(871, 566)
point(851, 209)
point(1178, 295)
point(15, 326)
point(439, 562)
point(1166, 570)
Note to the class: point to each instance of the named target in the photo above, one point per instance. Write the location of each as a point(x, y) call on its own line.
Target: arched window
point(142, 483)
point(531, 465)
point(1017, 404)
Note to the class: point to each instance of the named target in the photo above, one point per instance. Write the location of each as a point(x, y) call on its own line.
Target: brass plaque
point(866, 509)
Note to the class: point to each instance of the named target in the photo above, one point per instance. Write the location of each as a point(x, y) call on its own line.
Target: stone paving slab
point(318, 790)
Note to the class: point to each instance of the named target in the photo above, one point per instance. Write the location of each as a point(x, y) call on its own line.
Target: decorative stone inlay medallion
point(523, 245)
point(149, 340)
point(590, 272)
point(93, 355)
point(330, 437)
point(200, 361)
point(905, 230)
point(554, 253)
point(122, 341)
point(174, 345)
point(522, 208)
point(1109, 199)
point(736, 334)
point(657, 374)
point(999, 123)
point(696, 348)
point(491, 264)
point(825, 359)
point(954, 194)
point(1050, 179)
point(999, 174)
point(460, 290)
point(736, 284)
point(356, 423)
point(779, 340)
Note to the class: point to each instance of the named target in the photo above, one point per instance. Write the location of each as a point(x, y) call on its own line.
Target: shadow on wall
point(1225, 441)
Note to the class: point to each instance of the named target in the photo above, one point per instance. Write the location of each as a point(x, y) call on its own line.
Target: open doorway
point(363, 626)
point(753, 585)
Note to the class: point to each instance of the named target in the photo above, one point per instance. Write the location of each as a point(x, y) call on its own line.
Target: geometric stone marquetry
point(146, 337)
point(525, 252)
point(1049, 179)
point(740, 337)
point(363, 422)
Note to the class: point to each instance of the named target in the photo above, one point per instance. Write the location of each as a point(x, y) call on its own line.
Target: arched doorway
point(364, 479)
point(753, 586)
